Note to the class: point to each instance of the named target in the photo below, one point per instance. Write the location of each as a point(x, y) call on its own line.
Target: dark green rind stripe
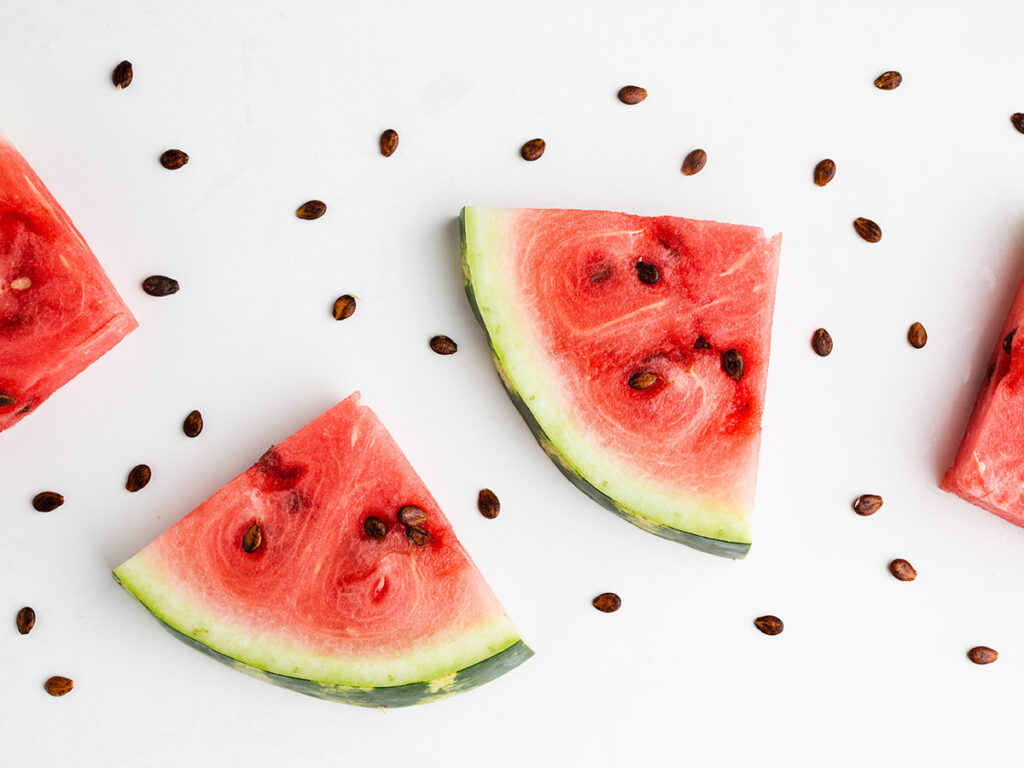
point(391, 696)
point(731, 549)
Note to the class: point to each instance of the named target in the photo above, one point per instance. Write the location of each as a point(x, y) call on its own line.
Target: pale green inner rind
point(277, 654)
point(521, 362)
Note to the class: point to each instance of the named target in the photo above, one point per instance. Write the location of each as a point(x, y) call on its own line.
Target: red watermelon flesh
point(989, 467)
point(321, 606)
point(59, 311)
point(573, 311)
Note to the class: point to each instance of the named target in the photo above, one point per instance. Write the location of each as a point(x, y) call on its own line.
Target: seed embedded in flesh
point(821, 342)
point(1008, 341)
point(193, 424)
point(867, 229)
point(769, 625)
point(694, 162)
point(7, 399)
point(732, 364)
point(252, 539)
point(533, 149)
point(632, 94)
point(824, 172)
point(344, 307)
point(701, 343)
point(160, 285)
point(982, 654)
point(443, 345)
point(138, 478)
point(311, 209)
point(47, 501)
point(21, 284)
point(26, 620)
point(417, 535)
point(173, 159)
point(58, 685)
point(388, 142)
point(488, 504)
point(607, 602)
point(867, 504)
point(122, 75)
point(917, 336)
point(647, 273)
point(375, 527)
point(412, 515)
point(643, 380)
point(902, 570)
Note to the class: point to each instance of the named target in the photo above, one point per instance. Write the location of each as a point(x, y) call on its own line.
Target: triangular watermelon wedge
point(309, 599)
point(637, 350)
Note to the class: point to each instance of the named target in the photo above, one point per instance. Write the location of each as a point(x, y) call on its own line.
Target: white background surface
point(280, 102)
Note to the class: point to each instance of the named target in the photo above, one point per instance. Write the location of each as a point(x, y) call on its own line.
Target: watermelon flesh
point(59, 311)
point(570, 322)
point(321, 606)
point(989, 467)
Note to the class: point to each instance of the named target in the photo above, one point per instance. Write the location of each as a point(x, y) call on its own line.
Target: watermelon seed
point(769, 625)
point(47, 501)
point(867, 504)
point(902, 570)
point(732, 364)
point(1017, 118)
point(160, 285)
point(412, 515)
point(888, 80)
point(7, 399)
point(418, 536)
point(1008, 341)
point(388, 142)
point(600, 273)
point(694, 162)
point(701, 343)
point(344, 307)
point(632, 94)
point(821, 343)
point(918, 336)
point(138, 478)
point(488, 504)
point(533, 149)
point(991, 371)
point(867, 229)
point(824, 172)
point(252, 539)
point(26, 620)
point(982, 654)
point(21, 284)
point(607, 602)
point(173, 159)
point(443, 345)
point(375, 527)
point(647, 273)
point(122, 75)
point(58, 686)
point(311, 209)
point(643, 380)
point(193, 424)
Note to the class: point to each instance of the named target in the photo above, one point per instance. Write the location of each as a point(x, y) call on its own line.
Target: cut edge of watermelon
point(693, 521)
point(449, 667)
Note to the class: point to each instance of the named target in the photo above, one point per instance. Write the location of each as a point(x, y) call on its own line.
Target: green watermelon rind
point(712, 537)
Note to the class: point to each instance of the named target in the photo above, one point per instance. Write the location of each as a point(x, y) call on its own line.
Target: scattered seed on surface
point(982, 654)
point(443, 345)
point(701, 343)
point(769, 625)
point(138, 478)
point(410, 514)
point(488, 504)
point(632, 94)
point(47, 501)
point(732, 364)
point(1017, 118)
point(7, 400)
point(647, 273)
point(643, 380)
point(821, 343)
point(388, 142)
point(344, 307)
point(252, 539)
point(21, 284)
point(694, 162)
point(375, 527)
point(607, 602)
point(418, 536)
point(888, 80)
point(824, 172)
point(26, 620)
point(122, 75)
point(867, 504)
point(173, 159)
point(1008, 341)
point(533, 149)
point(193, 424)
point(311, 209)
point(902, 570)
point(867, 229)
point(917, 336)
point(160, 285)
point(58, 686)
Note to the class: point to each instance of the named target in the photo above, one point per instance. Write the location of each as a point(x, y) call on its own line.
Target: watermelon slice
point(58, 310)
point(989, 467)
point(308, 598)
point(637, 350)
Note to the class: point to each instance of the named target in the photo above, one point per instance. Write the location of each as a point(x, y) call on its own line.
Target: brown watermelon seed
point(488, 504)
point(344, 307)
point(732, 364)
point(701, 343)
point(443, 345)
point(160, 285)
point(867, 504)
point(252, 539)
point(122, 75)
point(418, 536)
point(58, 685)
point(1017, 118)
point(193, 424)
point(902, 570)
point(47, 501)
point(173, 159)
point(982, 654)
point(917, 336)
point(7, 399)
point(824, 172)
point(138, 478)
point(1008, 341)
point(412, 515)
point(388, 142)
point(607, 602)
point(821, 343)
point(375, 527)
point(647, 273)
point(643, 380)
point(26, 620)
point(867, 229)
point(694, 162)
point(632, 94)
point(769, 625)
point(21, 284)
point(991, 371)
point(888, 80)
point(311, 209)
point(533, 149)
